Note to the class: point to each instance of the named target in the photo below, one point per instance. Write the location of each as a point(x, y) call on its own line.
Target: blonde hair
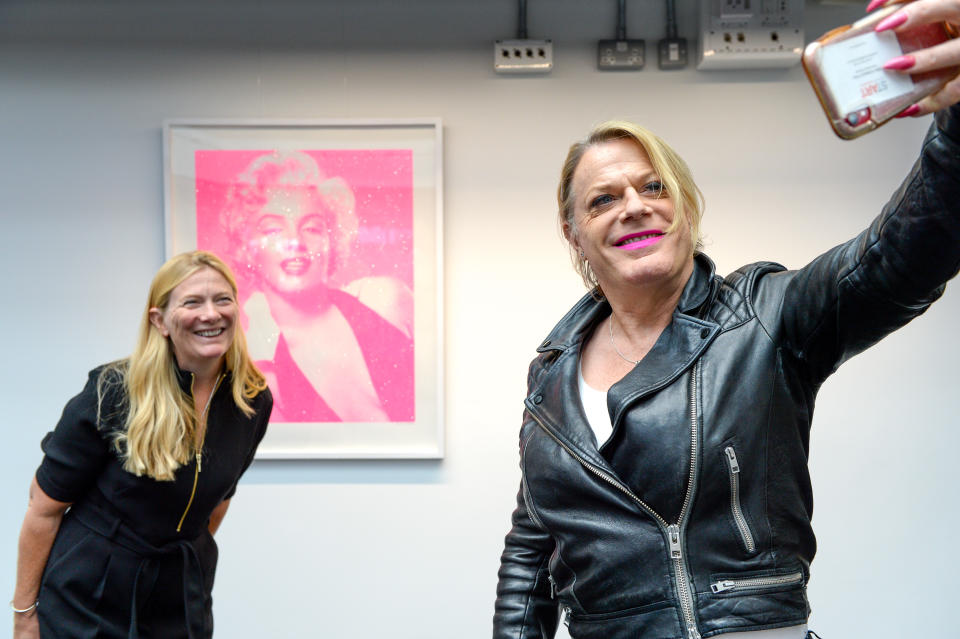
point(674, 174)
point(161, 419)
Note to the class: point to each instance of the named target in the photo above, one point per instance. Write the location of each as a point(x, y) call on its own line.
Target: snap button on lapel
point(704, 333)
point(538, 399)
point(545, 344)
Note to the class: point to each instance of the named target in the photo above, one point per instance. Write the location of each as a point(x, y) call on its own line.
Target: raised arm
point(853, 295)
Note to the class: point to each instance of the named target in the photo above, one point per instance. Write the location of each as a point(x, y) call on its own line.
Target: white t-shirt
point(595, 406)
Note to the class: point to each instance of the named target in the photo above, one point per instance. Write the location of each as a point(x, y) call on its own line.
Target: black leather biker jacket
point(737, 370)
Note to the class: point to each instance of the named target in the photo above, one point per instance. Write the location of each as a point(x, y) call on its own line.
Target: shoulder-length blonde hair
point(161, 418)
point(674, 174)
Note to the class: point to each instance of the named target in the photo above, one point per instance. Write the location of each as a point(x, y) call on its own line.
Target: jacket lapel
point(555, 400)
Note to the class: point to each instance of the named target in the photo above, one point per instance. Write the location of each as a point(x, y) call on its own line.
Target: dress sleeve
point(853, 295)
point(76, 451)
point(265, 399)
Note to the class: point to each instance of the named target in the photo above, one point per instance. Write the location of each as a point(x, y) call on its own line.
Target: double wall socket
point(750, 34)
point(621, 55)
point(522, 56)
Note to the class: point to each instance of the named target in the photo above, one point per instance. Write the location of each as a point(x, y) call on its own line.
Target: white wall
point(410, 549)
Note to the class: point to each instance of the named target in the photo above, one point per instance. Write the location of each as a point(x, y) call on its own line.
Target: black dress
point(133, 556)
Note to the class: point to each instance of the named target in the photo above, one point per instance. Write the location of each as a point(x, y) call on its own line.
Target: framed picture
point(333, 229)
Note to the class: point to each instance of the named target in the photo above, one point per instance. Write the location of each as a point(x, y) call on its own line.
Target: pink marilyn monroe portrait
point(321, 243)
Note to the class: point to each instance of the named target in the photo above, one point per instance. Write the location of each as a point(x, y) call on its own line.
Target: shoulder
point(569, 332)
point(262, 405)
point(263, 402)
point(103, 399)
point(741, 295)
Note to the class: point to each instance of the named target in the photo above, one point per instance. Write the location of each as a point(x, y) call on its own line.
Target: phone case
point(845, 67)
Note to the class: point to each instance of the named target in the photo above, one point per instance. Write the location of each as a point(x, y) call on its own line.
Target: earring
point(581, 254)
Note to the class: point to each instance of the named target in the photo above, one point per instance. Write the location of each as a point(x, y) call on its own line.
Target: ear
point(571, 235)
point(156, 318)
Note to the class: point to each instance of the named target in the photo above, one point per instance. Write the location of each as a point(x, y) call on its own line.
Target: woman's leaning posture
point(139, 472)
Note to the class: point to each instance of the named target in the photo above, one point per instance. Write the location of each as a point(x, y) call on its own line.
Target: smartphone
point(845, 67)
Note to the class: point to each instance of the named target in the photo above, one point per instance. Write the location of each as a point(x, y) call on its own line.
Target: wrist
point(25, 610)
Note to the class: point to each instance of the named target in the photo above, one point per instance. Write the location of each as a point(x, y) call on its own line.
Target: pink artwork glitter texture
point(321, 243)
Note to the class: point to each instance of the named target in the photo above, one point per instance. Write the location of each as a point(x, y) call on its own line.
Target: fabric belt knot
point(98, 520)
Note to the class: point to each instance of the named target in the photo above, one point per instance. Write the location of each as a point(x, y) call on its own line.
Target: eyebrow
point(605, 184)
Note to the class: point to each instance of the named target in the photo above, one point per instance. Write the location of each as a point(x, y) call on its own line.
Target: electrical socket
point(621, 55)
point(672, 53)
point(522, 56)
point(750, 34)
point(736, 10)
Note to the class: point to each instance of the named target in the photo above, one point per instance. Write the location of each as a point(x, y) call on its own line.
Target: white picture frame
point(387, 175)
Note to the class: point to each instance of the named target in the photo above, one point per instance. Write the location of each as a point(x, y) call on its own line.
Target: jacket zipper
point(680, 564)
point(528, 502)
point(672, 531)
point(738, 516)
point(726, 585)
point(199, 453)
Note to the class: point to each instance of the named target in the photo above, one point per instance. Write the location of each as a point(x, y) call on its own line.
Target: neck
point(204, 375)
point(639, 311)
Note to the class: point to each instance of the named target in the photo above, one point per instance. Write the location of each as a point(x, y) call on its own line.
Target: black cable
point(622, 20)
point(522, 28)
point(671, 19)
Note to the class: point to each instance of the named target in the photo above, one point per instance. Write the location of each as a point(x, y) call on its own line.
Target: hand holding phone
point(900, 60)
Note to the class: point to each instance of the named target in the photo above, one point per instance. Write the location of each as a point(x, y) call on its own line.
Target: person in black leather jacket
point(681, 507)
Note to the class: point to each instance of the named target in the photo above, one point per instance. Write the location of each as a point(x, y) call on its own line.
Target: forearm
point(36, 539)
point(39, 530)
point(855, 294)
point(913, 250)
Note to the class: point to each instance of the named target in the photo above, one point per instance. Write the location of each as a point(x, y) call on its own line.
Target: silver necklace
point(612, 343)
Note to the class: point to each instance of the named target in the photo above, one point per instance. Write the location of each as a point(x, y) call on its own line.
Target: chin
point(299, 287)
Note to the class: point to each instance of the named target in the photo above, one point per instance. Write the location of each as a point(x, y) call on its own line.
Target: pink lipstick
point(635, 241)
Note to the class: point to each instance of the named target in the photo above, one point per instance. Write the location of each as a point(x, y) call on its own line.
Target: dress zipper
point(203, 436)
point(672, 531)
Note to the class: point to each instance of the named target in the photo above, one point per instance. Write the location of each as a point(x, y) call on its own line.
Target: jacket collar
point(185, 377)
point(580, 319)
point(551, 400)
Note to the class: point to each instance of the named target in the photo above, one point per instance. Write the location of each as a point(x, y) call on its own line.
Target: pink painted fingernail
point(900, 63)
point(875, 4)
point(891, 22)
point(910, 110)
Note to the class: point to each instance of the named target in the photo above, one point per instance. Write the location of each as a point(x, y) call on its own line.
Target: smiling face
point(620, 217)
point(199, 319)
point(290, 243)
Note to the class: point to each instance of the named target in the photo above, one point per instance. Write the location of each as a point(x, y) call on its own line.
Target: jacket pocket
point(655, 620)
point(739, 519)
point(757, 582)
